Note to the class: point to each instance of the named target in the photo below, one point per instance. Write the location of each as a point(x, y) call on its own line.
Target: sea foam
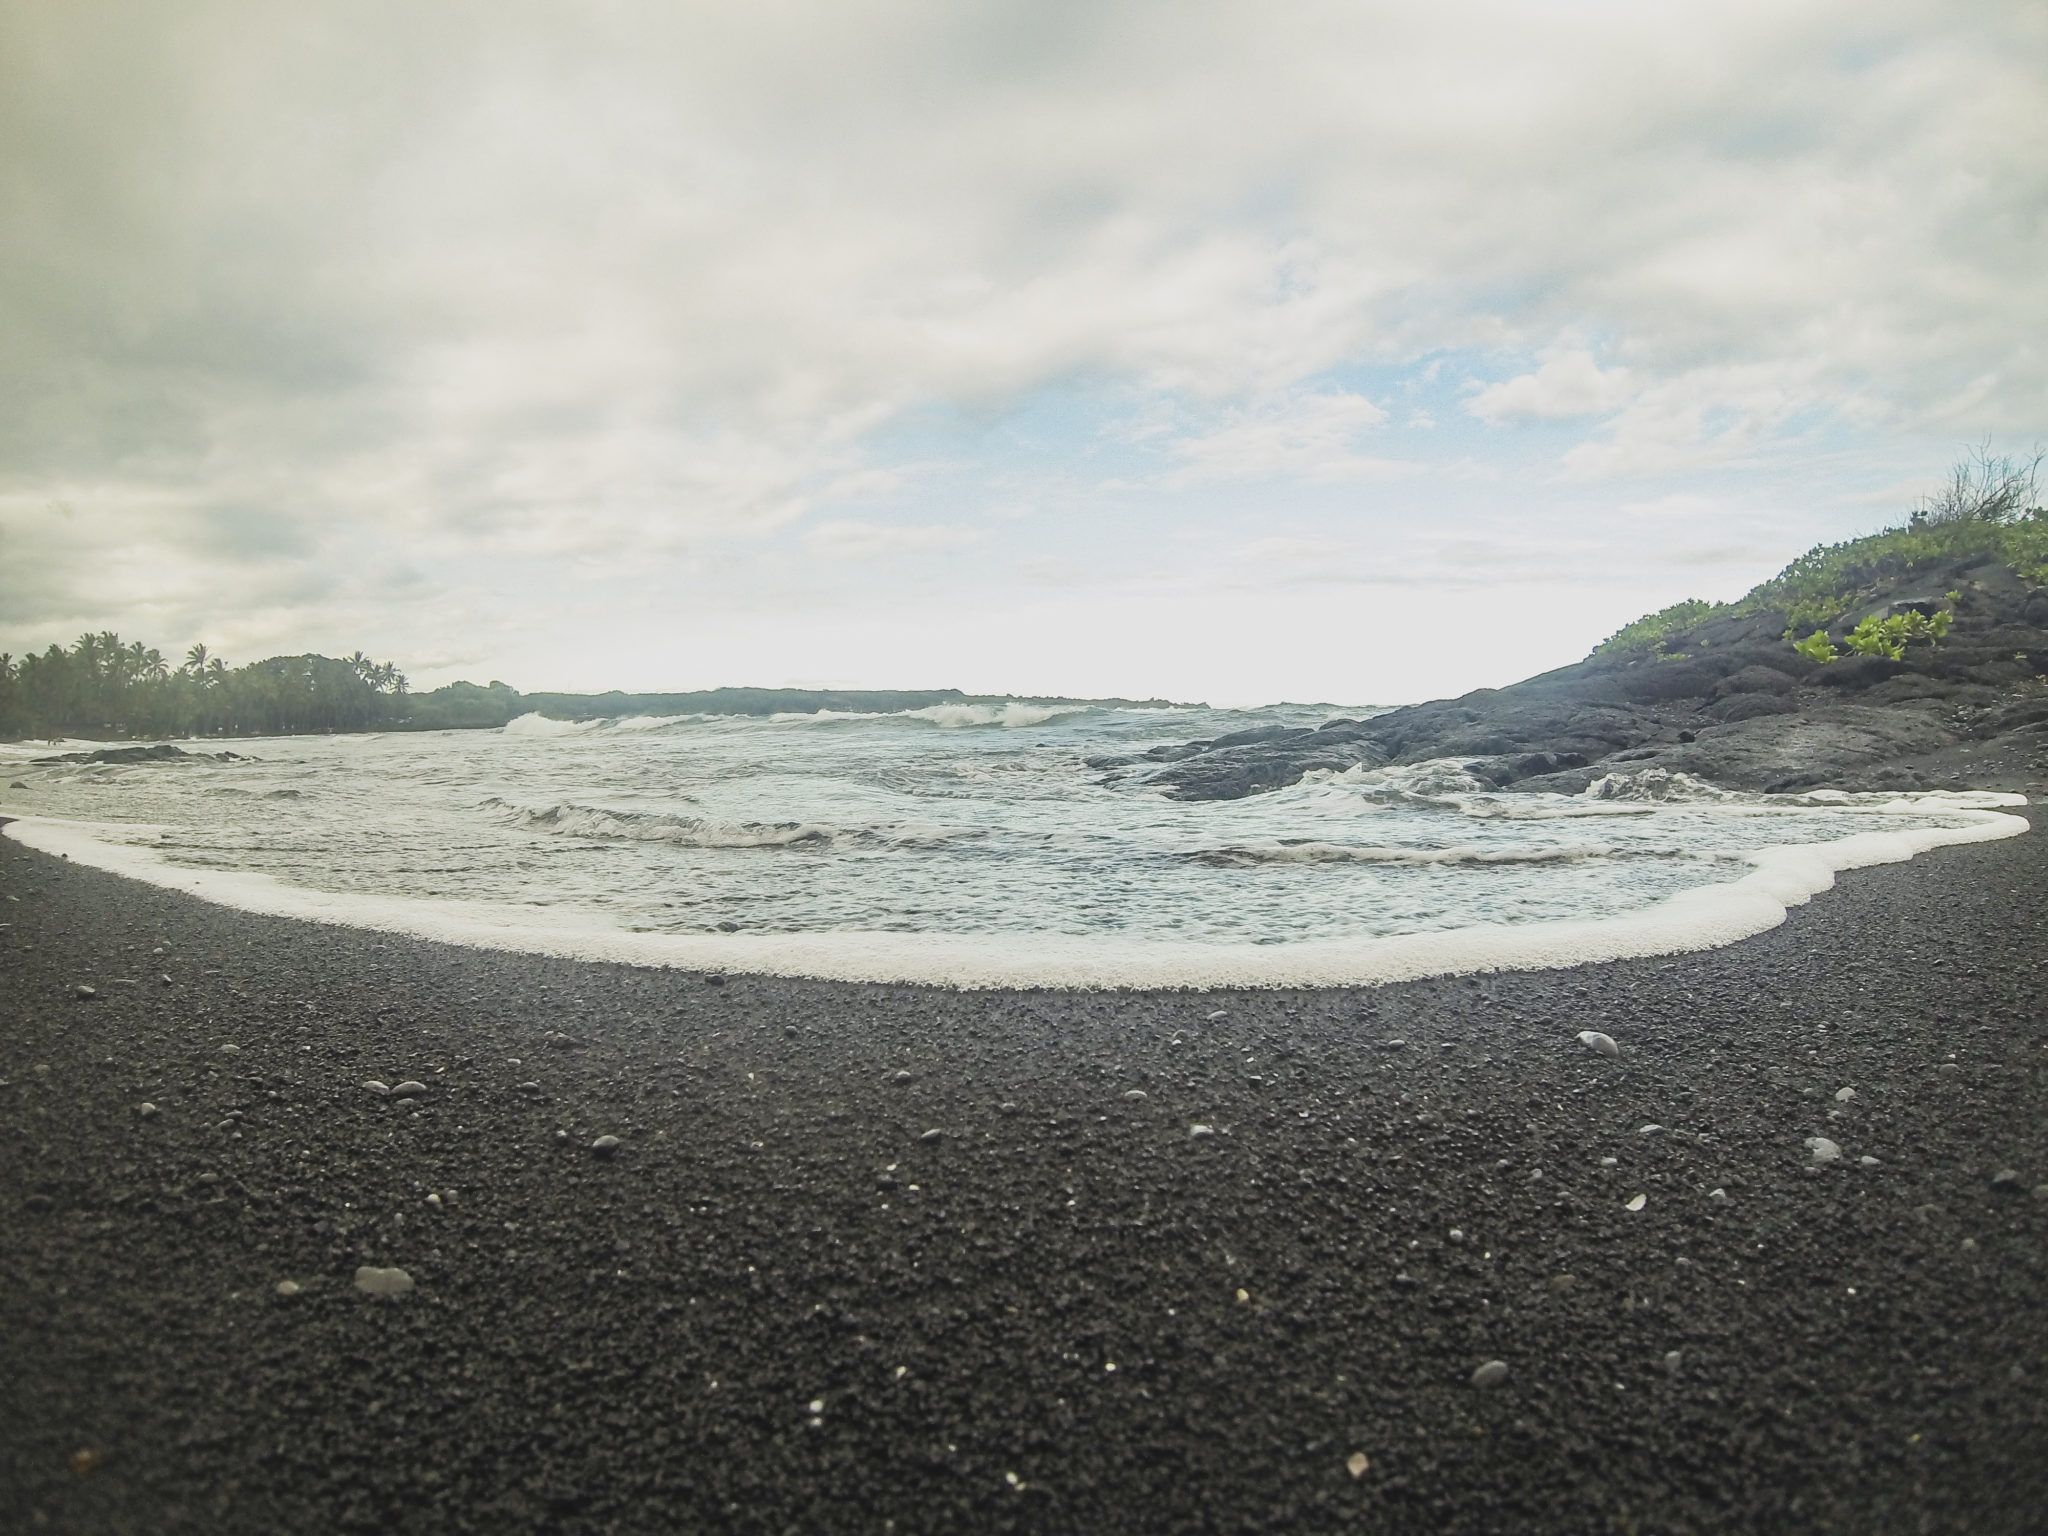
point(1704, 917)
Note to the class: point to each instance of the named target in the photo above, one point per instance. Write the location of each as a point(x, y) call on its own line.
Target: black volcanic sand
point(783, 1306)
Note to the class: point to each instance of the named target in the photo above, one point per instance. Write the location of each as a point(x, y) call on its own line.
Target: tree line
point(102, 687)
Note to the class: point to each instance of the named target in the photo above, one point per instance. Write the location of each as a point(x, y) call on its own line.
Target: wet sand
point(890, 1259)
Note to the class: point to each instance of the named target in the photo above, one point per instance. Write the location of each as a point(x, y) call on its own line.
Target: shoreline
point(779, 1305)
point(1708, 916)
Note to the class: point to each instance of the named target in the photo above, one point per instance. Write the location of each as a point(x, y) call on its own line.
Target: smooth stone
point(1457, 1236)
point(1824, 1150)
point(1673, 1359)
point(408, 1090)
point(2007, 1181)
point(1651, 1129)
point(382, 1282)
point(1563, 1282)
point(372, 1085)
point(1948, 1069)
point(605, 1146)
point(289, 1288)
point(1491, 1374)
point(84, 993)
point(1638, 1202)
point(1867, 1161)
point(1201, 1130)
point(1137, 1093)
point(529, 1087)
point(1717, 1194)
point(934, 1134)
point(1396, 1045)
point(231, 1050)
point(1220, 1013)
point(146, 1110)
point(901, 1077)
point(1845, 1095)
point(1593, 1040)
point(1357, 1464)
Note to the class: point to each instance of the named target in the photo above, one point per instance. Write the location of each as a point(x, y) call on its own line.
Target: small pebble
point(1948, 1069)
point(1397, 1045)
point(1673, 1360)
point(1717, 1194)
point(934, 1134)
point(1638, 1202)
point(1610, 1162)
point(1845, 1095)
point(382, 1282)
point(1220, 1013)
point(1650, 1130)
point(1357, 1464)
point(372, 1085)
point(146, 1110)
point(1563, 1282)
point(434, 1200)
point(714, 980)
point(1824, 1150)
point(900, 1077)
point(231, 1050)
point(529, 1087)
point(1867, 1161)
point(1136, 1093)
point(290, 1288)
point(1201, 1130)
point(1457, 1236)
point(84, 993)
point(408, 1090)
point(1244, 1297)
point(1491, 1374)
point(2007, 1181)
point(1593, 1040)
point(605, 1146)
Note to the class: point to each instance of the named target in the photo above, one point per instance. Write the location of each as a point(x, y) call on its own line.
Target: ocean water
point(975, 836)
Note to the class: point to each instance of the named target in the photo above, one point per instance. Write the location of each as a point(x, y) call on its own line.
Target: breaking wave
point(610, 824)
point(1342, 853)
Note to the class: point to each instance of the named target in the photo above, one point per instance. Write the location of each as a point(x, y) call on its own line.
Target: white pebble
point(1491, 1374)
point(1868, 1162)
point(408, 1090)
point(1593, 1040)
point(1357, 1464)
point(1824, 1150)
point(1201, 1130)
point(371, 1085)
point(1845, 1095)
point(1650, 1130)
point(1638, 1202)
point(288, 1288)
point(382, 1282)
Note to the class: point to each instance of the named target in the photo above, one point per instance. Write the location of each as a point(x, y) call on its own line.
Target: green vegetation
point(101, 687)
point(1653, 629)
point(1989, 508)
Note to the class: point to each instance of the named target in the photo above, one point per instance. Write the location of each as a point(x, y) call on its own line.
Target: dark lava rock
point(1733, 704)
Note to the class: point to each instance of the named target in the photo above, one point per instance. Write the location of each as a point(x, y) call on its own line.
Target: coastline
point(636, 1343)
point(1702, 917)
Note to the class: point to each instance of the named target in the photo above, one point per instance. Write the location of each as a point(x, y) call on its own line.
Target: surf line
point(1705, 917)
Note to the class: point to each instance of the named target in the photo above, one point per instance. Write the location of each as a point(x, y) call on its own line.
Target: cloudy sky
point(1353, 352)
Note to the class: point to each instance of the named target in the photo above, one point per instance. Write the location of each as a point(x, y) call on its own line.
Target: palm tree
point(195, 660)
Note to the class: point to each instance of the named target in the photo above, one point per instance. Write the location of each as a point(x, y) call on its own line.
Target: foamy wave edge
point(1706, 917)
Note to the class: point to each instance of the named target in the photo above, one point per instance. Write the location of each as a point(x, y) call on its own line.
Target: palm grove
point(102, 687)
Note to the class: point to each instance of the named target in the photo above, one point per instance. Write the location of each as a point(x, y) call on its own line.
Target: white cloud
point(1568, 385)
point(871, 541)
point(1310, 437)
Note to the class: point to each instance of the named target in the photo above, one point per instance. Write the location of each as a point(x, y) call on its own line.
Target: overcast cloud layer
point(1354, 351)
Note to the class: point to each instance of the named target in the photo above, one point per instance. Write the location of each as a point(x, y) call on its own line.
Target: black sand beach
point(785, 1305)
